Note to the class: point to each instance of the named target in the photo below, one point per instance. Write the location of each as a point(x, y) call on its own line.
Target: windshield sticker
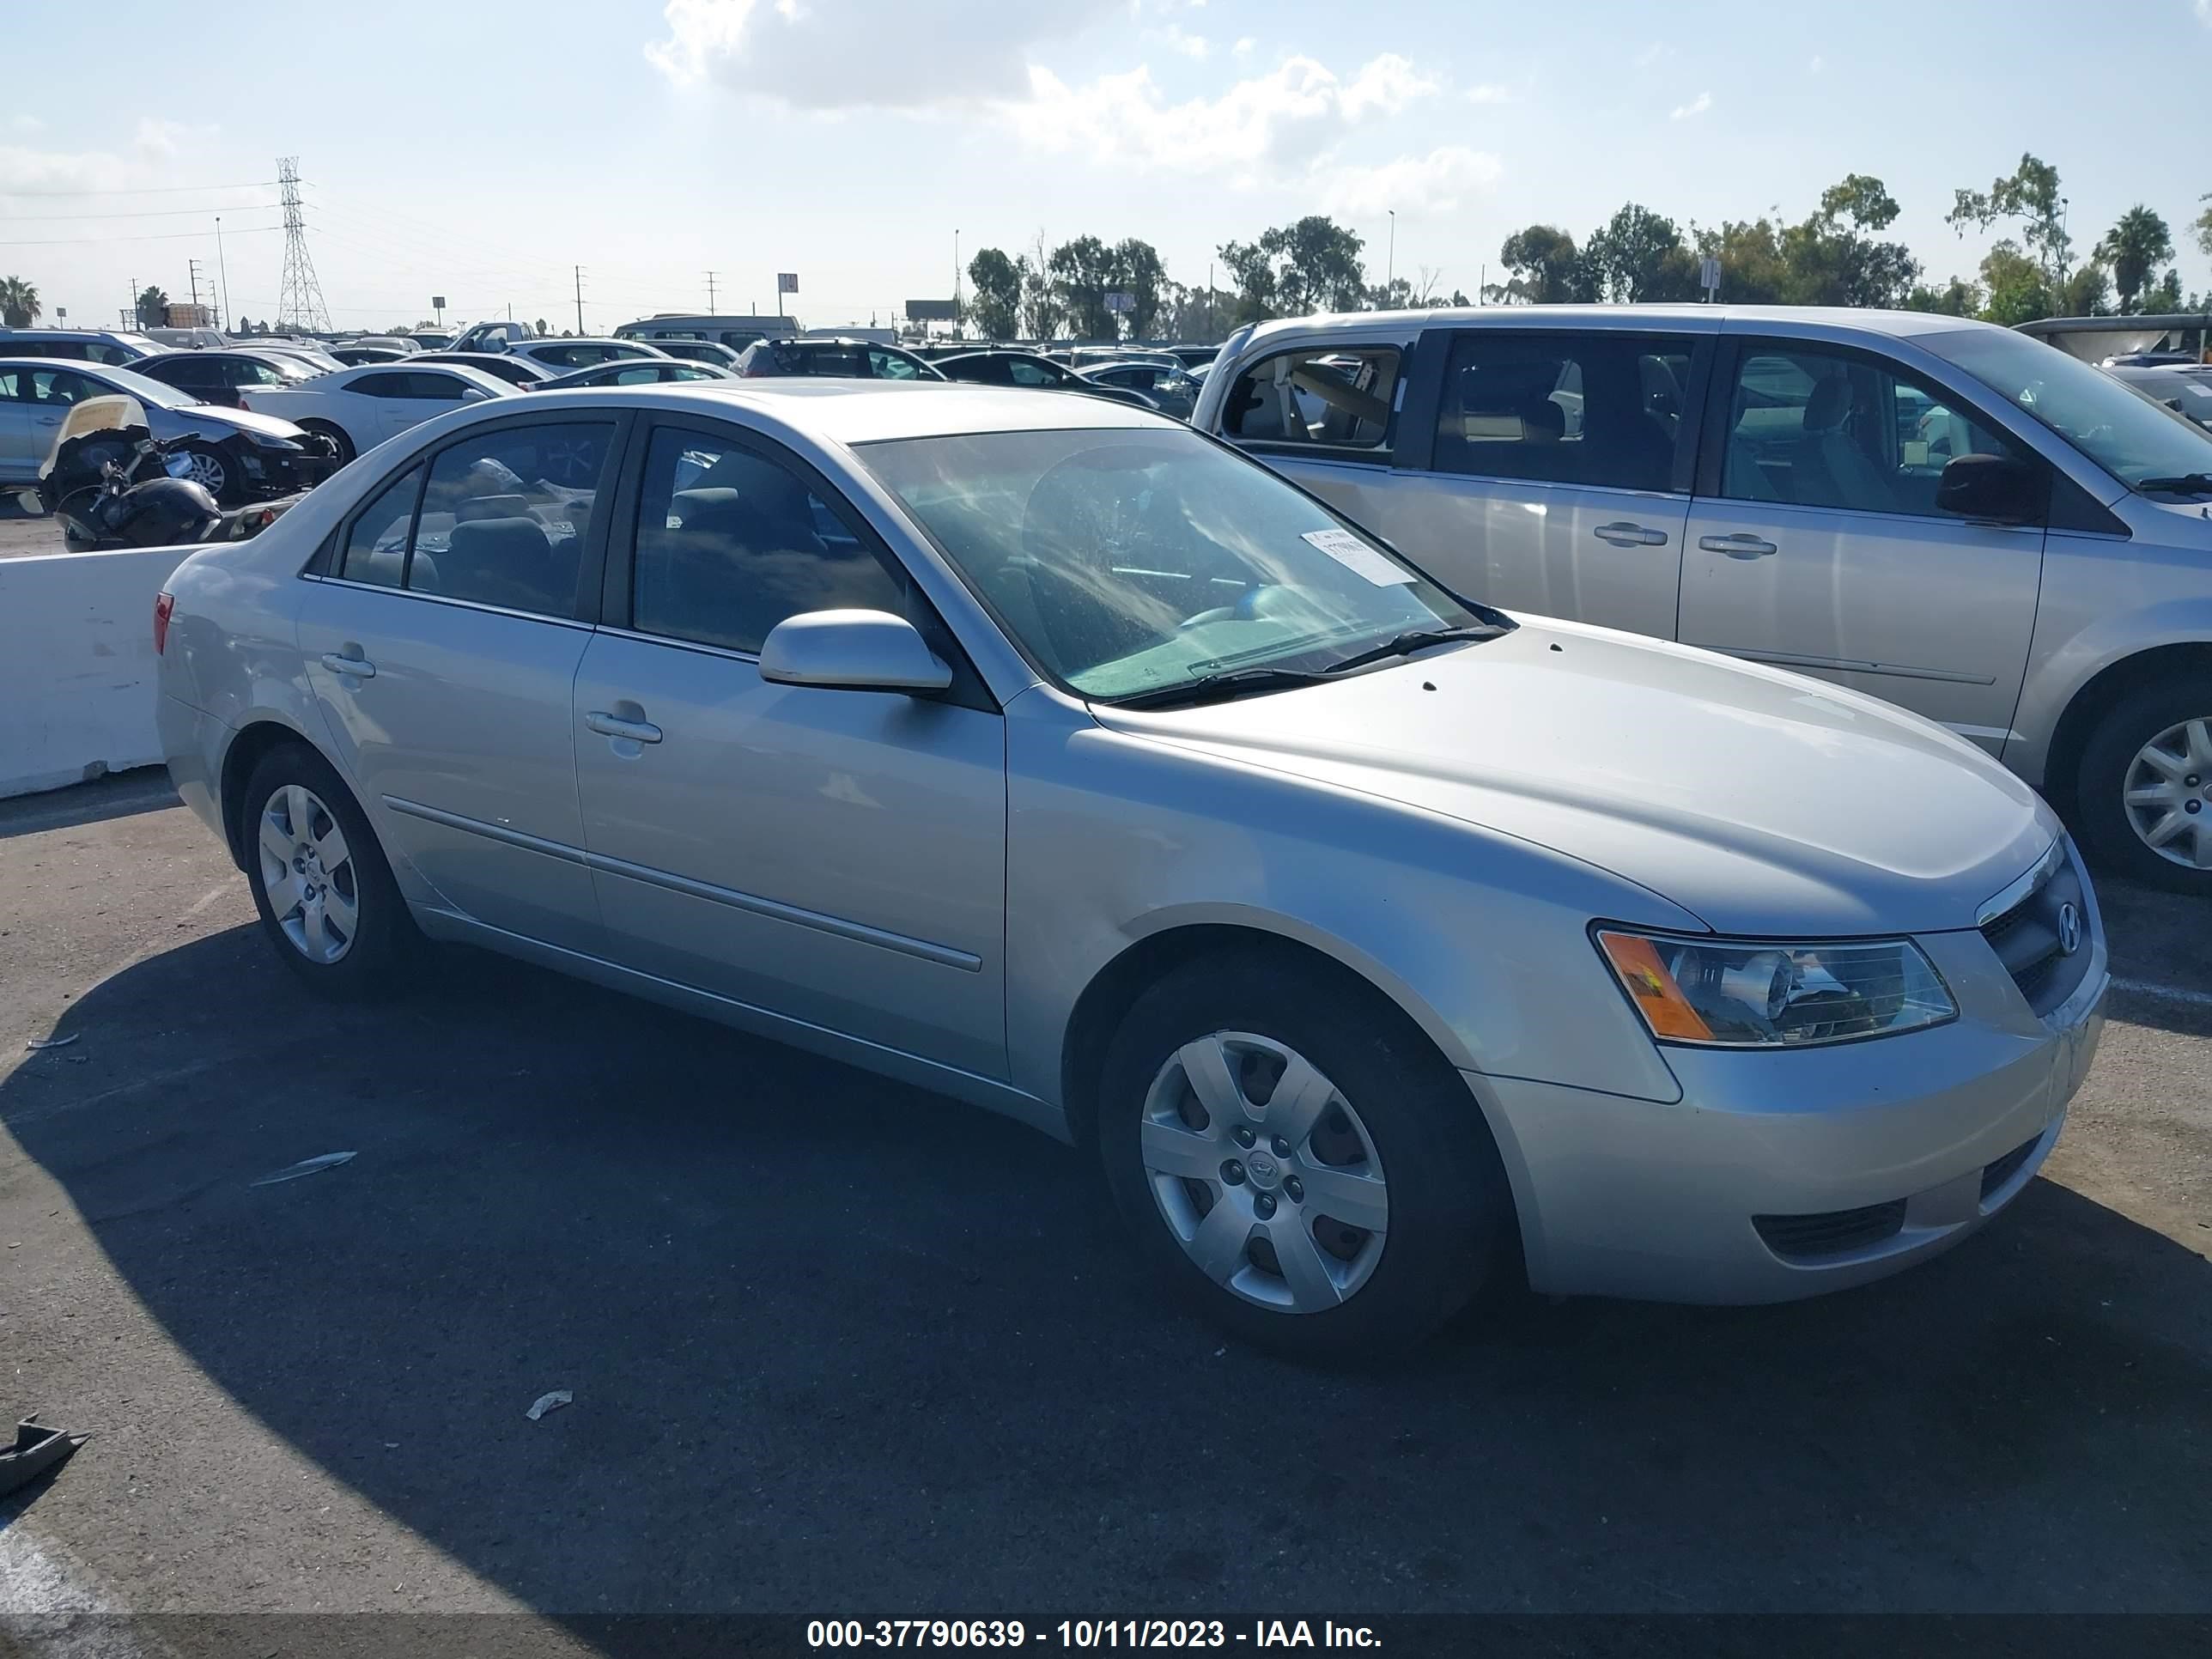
point(1355, 556)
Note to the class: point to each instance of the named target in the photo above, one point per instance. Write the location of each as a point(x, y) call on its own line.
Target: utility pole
point(192, 269)
point(710, 294)
point(957, 324)
point(299, 306)
point(131, 316)
point(223, 271)
point(1391, 270)
point(580, 299)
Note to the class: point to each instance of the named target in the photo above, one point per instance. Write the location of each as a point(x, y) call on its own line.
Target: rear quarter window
point(1318, 397)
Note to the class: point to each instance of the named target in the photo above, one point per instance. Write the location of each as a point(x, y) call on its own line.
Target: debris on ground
point(53, 1042)
point(306, 1166)
point(549, 1402)
point(37, 1449)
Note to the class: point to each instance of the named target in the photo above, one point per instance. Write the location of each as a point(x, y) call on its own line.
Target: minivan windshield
point(1130, 562)
point(2129, 437)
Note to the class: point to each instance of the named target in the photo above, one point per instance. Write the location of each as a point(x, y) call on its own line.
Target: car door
point(1342, 450)
point(51, 392)
point(442, 643)
point(1815, 541)
point(834, 856)
point(1557, 472)
point(20, 458)
point(423, 393)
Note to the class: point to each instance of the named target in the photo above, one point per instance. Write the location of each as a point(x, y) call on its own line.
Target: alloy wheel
point(308, 871)
point(1264, 1172)
point(2167, 793)
point(206, 470)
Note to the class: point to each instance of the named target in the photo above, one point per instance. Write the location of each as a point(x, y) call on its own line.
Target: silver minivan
point(1948, 515)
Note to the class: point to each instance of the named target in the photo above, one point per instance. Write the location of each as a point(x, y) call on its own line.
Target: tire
point(336, 435)
point(2155, 742)
point(215, 472)
point(351, 939)
point(1446, 1212)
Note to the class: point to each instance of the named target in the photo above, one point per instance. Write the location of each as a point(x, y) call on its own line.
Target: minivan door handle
point(1624, 534)
point(613, 725)
point(1738, 546)
point(360, 667)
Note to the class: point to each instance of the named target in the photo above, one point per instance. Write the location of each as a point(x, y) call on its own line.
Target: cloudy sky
point(480, 151)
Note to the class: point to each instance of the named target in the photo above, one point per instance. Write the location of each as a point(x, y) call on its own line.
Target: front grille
point(1831, 1232)
point(2030, 942)
point(1995, 1175)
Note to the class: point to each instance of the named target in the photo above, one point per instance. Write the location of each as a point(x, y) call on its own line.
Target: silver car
point(1049, 754)
point(1953, 517)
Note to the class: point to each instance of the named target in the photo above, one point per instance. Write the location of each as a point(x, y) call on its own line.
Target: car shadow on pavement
point(833, 1338)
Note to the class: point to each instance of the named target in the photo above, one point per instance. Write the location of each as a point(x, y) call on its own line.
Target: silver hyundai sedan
point(1051, 754)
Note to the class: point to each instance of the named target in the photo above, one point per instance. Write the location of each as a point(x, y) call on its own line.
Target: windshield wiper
point(1419, 639)
point(2186, 484)
point(1219, 687)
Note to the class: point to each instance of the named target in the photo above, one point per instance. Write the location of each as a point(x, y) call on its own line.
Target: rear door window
point(376, 545)
point(1604, 408)
point(1318, 398)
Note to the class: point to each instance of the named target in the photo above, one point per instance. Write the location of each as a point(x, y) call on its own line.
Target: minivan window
point(1838, 429)
point(1341, 397)
point(2131, 439)
point(1603, 409)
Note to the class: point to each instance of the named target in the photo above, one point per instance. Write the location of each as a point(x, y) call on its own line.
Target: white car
point(357, 408)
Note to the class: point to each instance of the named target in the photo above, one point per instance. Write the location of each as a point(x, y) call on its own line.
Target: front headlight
point(268, 441)
point(1756, 993)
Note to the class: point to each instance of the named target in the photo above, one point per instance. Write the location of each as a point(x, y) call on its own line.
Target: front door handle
point(1631, 535)
point(613, 725)
point(360, 667)
point(1738, 546)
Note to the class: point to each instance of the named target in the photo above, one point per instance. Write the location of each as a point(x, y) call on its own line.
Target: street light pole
point(1391, 270)
point(223, 270)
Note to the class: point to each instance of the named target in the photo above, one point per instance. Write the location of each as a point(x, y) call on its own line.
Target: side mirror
point(851, 651)
point(1993, 489)
point(475, 394)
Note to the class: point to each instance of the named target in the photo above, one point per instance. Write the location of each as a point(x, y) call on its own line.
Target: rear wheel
point(335, 434)
point(213, 472)
point(324, 893)
point(2144, 792)
point(1293, 1154)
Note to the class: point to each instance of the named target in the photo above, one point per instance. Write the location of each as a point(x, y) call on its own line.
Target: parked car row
point(1381, 946)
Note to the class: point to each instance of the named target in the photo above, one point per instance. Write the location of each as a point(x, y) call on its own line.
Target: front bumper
point(284, 472)
point(1785, 1175)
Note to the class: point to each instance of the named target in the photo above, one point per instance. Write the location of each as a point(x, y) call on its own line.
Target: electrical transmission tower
point(301, 303)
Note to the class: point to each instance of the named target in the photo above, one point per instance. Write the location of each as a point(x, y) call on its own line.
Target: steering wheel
point(1247, 606)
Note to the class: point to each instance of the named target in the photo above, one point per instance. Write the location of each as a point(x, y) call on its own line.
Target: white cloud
point(1652, 56)
point(1175, 39)
point(1261, 124)
point(853, 54)
point(2204, 13)
point(47, 171)
point(1245, 43)
point(1490, 92)
point(1413, 185)
point(1697, 107)
point(28, 123)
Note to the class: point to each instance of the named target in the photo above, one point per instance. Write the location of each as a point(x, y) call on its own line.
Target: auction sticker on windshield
point(1355, 556)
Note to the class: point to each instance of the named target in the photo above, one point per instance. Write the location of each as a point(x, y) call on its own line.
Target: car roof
point(1691, 318)
point(343, 378)
point(874, 411)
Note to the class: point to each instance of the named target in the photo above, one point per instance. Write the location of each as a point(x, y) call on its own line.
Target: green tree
point(1293, 270)
point(2031, 196)
point(1957, 298)
point(997, 305)
point(152, 309)
point(1863, 199)
point(2202, 224)
point(2017, 291)
point(2132, 247)
point(1548, 268)
point(1638, 255)
point(2087, 292)
point(1139, 273)
point(1042, 314)
point(2165, 295)
point(1252, 273)
point(1082, 272)
point(18, 302)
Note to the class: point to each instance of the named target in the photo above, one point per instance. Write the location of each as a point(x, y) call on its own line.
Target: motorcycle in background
point(113, 484)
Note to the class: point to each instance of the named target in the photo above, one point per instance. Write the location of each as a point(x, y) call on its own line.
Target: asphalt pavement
point(837, 1348)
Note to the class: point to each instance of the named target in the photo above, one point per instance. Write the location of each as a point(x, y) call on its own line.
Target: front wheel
point(1294, 1155)
point(324, 893)
point(2144, 792)
point(335, 434)
point(213, 472)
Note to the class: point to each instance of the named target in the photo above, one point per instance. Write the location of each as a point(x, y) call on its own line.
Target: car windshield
point(2129, 436)
point(1132, 562)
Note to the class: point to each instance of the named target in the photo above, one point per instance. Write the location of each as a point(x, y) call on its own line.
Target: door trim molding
point(838, 926)
point(1848, 665)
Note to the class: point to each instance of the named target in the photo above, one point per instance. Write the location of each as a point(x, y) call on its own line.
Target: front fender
point(2080, 634)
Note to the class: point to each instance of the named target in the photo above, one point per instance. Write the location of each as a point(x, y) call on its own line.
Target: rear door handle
point(611, 725)
point(1738, 546)
point(360, 667)
point(1631, 535)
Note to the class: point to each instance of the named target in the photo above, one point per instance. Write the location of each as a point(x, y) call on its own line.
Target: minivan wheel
point(2145, 789)
point(1291, 1152)
point(324, 893)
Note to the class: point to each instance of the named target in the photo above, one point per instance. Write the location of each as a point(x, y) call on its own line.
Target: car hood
point(1760, 801)
point(213, 417)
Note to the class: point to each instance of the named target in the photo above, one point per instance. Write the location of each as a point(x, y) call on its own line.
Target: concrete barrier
point(76, 665)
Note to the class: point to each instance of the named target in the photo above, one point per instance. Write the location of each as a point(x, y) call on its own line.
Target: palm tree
point(2132, 247)
point(18, 302)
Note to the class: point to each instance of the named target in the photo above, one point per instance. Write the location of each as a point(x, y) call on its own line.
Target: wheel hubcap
point(308, 871)
point(2167, 791)
point(1264, 1173)
point(206, 471)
